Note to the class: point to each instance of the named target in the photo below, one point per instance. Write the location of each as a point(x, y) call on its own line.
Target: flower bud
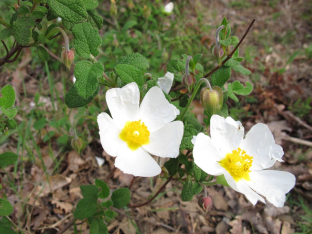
point(188, 81)
point(113, 8)
point(68, 57)
point(205, 202)
point(212, 99)
point(217, 53)
point(115, 42)
point(78, 144)
point(16, 6)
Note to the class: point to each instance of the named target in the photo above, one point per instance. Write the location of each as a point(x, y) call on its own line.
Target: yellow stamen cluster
point(238, 164)
point(135, 134)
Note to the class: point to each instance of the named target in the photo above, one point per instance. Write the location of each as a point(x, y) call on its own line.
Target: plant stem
point(153, 197)
point(199, 83)
point(63, 34)
point(231, 54)
point(6, 24)
point(111, 173)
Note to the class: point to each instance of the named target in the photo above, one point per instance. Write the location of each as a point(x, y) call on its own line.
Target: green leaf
point(42, 54)
point(86, 208)
point(72, 11)
point(176, 67)
point(42, 9)
point(128, 25)
point(197, 172)
point(98, 227)
point(7, 159)
point(10, 113)
point(107, 204)
point(40, 123)
point(184, 100)
point(22, 30)
point(48, 136)
point(129, 73)
point(87, 39)
point(196, 188)
point(237, 88)
point(23, 10)
point(189, 132)
point(95, 19)
point(110, 214)
point(11, 123)
point(68, 25)
point(38, 14)
point(89, 191)
point(229, 41)
point(50, 28)
point(187, 191)
point(5, 207)
point(51, 15)
point(104, 193)
point(6, 230)
point(5, 33)
point(172, 166)
point(244, 71)
point(221, 76)
point(74, 100)
point(188, 164)
point(196, 58)
point(91, 4)
point(87, 75)
point(221, 180)
point(137, 60)
point(121, 197)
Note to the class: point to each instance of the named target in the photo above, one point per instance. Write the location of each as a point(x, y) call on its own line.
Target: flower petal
point(260, 144)
point(227, 134)
point(156, 111)
point(206, 155)
point(123, 103)
point(137, 163)
point(109, 134)
point(166, 141)
point(272, 184)
point(165, 82)
point(243, 188)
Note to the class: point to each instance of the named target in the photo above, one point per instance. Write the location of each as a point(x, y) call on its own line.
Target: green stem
point(2, 21)
point(199, 83)
point(64, 36)
point(50, 84)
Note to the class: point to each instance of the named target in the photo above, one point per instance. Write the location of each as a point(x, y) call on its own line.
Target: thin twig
point(53, 55)
point(111, 173)
point(67, 226)
point(298, 141)
point(231, 54)
point(133, 178)
point(153, 197)
point(6, 48)
point(16, 56)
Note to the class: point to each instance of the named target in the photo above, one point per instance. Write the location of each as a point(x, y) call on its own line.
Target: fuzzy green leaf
point(5, 207)
point(10, 113)
point(87, 75)
point(95, 19)
point(89, 191)
point(129, 73)
point(128, 25)
point(189, 132)
point(72, 11)
point(221, 180)
point(137, 60)
point(87, 39)
point(42, 53)
point(172, 166)
point(6, 230)
point(221, 76)
point(22, 30)
point(121, 197)
point(7, 159)
point(244, 71)
point(188, 164)
point(91, 4)
point(229, 41)
point(86, 208)
point(5, 33)
point(98, 227)
point(237, 88)
point(176, 67)
point(8, 97)
point(107, 204)
point(196, 188)
point(187, 191)
point(74, 100)
point(104, 193)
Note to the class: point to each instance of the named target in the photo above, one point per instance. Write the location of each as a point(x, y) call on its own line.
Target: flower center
point(237, 164)
point(135, 134)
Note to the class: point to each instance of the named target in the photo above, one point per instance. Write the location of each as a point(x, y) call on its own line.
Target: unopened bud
point(217, 53)
point(78, 144)
point(113, 8)
point(16, 6)
point(165, 55)
point(188, 81)
point(205, 202)
point(115, 42)
point(68, 57)
point(212, 99)
point(146, 12)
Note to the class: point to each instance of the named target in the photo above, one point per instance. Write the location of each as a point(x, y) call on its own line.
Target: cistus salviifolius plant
point(146, 115)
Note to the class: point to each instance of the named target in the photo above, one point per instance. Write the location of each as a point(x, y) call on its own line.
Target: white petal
point(137, 163)
point(109, 134)
point(272, 184)
point(100, 161)
point(243, 188)
point(206, 155)
point(156, 111)
point(123, 103)
point(169, 7)
point(165, 82)
point(74, 79)
point(259, 143)
point(166, 141)
point(227, 133)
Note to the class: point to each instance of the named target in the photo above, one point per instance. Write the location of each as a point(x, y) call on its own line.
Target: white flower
point(136, 131)
point(169, 7)
point(242, 161)
point(74, 79)
point(165, 82)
